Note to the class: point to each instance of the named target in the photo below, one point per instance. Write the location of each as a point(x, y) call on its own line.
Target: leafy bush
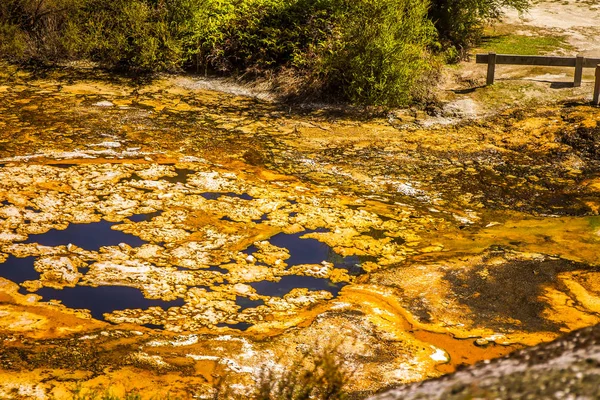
point(123, 34)
point(128, 34)
point(320, 374)
point(323, 379)
point(365, 51)
point(372, 52)
point(33, 29)
point(460, 22)
point(382, 51)
point(13, 43)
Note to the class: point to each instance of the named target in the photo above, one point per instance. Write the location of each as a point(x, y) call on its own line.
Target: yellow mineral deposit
point(250, 234)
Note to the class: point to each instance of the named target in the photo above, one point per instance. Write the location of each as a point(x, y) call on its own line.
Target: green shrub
point(123, 34)
point(461, 22)
point(319, 374)
point(365, 51)
point(372, 52)
point(128, 34)
point(13, 43)
point(382, 51)
point(33, 29)
point(255, 36)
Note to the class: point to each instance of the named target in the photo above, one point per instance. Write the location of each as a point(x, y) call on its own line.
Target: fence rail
point(579, 63)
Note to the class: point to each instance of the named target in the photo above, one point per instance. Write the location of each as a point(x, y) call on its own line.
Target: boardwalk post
point(596, 99)
point(491, 68)
point(578, 70)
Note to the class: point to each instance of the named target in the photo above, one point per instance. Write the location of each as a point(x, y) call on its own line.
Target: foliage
point(323, 379)
point(365, 51)
point(33, 29)
point(370, 52)
point(253, 36)
point(101, 393)
point(382, 51)
point(123, 34)
point(128, 35)
point(460, 23)
point(96, 394)
point(317, 375)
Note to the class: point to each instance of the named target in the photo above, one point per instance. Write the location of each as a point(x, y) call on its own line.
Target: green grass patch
point(524, 45)
point(594, 222)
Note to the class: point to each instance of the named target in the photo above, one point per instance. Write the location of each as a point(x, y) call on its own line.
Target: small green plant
point(321, 376)
point(318, 375)
point(79, 393)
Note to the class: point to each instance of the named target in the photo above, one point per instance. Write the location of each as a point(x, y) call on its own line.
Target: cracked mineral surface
point(154, 234)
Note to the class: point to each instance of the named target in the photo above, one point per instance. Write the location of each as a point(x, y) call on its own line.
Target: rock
point(104, 103)
point(569, 365)
point(463, 108)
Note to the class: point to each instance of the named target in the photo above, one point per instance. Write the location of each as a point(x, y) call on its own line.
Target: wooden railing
point(578, 62)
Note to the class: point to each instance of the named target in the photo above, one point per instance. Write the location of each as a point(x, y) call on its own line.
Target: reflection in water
point(302, 251)
point(106, 299)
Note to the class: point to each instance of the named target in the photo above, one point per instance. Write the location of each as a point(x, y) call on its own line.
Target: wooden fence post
point(491, 68)
point(578, 70)
point(596, 98)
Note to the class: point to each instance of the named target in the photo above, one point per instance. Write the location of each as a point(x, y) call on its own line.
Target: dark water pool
point(104, 299)
point(302, 251)
point(19, 270)
point(181, 177)
point(90, 236)
point(216, 195)
point(241, 326)
point(312, 251)
point(245, 302)
point(307, 251)
point(144, 217)
point(289, 282)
